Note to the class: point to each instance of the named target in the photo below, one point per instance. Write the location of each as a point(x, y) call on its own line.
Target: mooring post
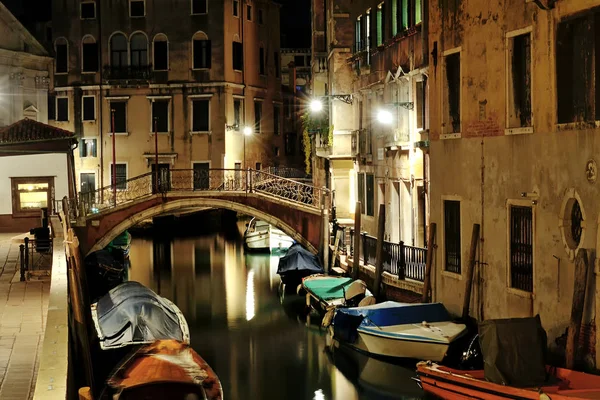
point(379, 252)
point(22, 251)
point(27, 253)
point(356, 259)
point(325, 215)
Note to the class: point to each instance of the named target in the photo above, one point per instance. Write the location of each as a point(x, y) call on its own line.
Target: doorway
point(87, 187)
point(162, 182)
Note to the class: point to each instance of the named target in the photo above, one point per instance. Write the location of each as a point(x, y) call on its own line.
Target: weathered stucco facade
point(199, 66)
point(514, 147)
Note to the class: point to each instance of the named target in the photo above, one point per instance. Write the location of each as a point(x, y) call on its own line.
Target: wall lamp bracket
point(346, 98)
point(409, 105)
point(234, 127)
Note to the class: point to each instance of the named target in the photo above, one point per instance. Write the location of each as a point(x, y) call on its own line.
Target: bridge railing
point(218, 180)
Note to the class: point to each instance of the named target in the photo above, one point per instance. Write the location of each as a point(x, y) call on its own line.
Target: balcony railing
point(398, 259)
point(128, 72)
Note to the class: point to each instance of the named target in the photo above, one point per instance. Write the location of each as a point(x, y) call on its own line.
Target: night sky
point(295, 18)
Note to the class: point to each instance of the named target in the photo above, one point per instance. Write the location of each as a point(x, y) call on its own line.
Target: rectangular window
point(452, 242)
point(51, 107)
point(200, 115)
point(236, 8)
point(452, 90)
point(160, 116)
point(161, 55)
point(90, 57)
point(121, 175)
point(62, 109)
point(202, 54)
point(361, 191)
point(249, 12)
point(276, 151)
point(519, 83)
point(61, 59)
point(578, 69)
point(260, 16)
point(370, 194)
point(199, 6)
point(521, 248)
point(201, 176)
point(238, 119)
point(420, 106)
point(299, 61)
point(261, 61)
point(276, 119)
point(137, 8)
point(238, 56)
point(257, 116)
point(87, 148)
point(394, 12)
point(258, 166)
point(119, 111)
point(380, 24)
point(276, 62)
point(89, 108)
point(358, 35)
point(88, 10)
point(29, 195)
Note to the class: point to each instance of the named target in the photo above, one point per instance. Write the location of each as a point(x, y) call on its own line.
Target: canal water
point(258, 343)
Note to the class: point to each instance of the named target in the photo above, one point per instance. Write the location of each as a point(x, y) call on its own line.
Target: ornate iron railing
point(217, 180)
point(398, 259)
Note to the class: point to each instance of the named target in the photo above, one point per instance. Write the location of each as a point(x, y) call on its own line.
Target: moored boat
point(165, 369)
point(451, 384)
point(121, 244)
point(400, 330)
point(325, 292)
point(261, 236)
point(297, 264)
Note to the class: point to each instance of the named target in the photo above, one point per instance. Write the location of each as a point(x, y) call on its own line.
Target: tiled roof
point(28, 130)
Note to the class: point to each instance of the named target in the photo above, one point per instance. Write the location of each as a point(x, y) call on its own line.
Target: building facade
point(194, 71)
point(514, 120)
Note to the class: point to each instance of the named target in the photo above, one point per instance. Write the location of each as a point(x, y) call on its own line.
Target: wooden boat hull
point(449, 384)
point(272, 240)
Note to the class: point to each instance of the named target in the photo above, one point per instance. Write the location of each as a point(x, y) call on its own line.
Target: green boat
point(121, 243)
point(324, 292)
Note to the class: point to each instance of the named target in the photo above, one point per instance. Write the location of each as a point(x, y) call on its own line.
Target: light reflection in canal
point(259, 347)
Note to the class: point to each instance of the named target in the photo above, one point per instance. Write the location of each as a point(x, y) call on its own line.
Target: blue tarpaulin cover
point(299, 262)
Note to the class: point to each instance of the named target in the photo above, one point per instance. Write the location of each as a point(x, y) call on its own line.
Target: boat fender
point(328, 318)
point(367, 301)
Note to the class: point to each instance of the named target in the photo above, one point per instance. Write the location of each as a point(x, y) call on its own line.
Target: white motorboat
point(261, 236)
point(420, 331)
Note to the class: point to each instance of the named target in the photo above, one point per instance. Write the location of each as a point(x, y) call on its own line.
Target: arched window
point(201, 51)
point(61, 47)
point(118, 51)
point(161, 52)
point(139, 50)
point(89, 54)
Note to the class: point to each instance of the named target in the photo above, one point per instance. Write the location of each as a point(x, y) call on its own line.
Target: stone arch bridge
point(295, 207)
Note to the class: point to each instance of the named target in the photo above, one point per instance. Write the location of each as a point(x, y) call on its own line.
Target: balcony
point(128, 73)
point(342, 147)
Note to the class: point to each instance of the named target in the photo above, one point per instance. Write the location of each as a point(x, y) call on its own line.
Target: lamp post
point(247, 132)
point(156, 153)
point(114, 160)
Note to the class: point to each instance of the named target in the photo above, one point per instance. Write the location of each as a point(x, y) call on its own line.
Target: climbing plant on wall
point(313, 123)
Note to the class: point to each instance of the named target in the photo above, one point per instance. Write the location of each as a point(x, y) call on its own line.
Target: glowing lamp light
point(247, 131)
point(384, 117)
point(316, 105)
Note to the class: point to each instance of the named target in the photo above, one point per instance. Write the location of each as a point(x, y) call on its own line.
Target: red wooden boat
point(166, 369)
point(451, 384)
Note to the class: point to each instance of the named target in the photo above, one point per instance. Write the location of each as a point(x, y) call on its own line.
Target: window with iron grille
point(452, 242)
point(121, 175)
point(521, 248)
point(370, 193)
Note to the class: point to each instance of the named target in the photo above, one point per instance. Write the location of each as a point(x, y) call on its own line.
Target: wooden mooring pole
point(379, 252)
point(582, 271)
point(470, 270)
point(356, 255)
point(428, 262)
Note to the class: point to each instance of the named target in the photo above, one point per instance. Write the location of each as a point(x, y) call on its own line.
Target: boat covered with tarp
point(133, 314)
point(514, 358)
point(104, 270)
point(298, 263)
point(422, 330)
point(328, 292)
point(165, 369)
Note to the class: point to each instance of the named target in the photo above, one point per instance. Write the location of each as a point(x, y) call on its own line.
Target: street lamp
point(385, 117)
point(316, 105)
point(247, 132)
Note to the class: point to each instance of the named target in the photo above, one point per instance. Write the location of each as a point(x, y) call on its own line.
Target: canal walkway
point(23, 310)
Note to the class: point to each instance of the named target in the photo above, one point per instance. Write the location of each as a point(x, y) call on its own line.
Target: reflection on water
point(259, 347)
